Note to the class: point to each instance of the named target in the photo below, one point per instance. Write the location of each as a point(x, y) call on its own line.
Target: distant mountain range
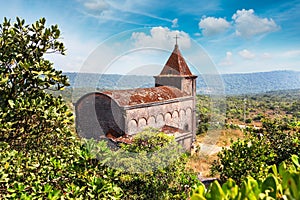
point(230, 84)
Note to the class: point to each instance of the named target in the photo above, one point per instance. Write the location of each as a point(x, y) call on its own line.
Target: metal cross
point(176, 37)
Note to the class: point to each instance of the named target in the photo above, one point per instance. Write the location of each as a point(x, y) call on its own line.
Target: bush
point(244, 158)
point(282, 183)
point(157, 166)
point(258, 151)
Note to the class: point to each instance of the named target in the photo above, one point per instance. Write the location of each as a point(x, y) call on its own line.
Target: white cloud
point(249, 24)
point(212, 26)
point(77, 52)
point(96, 5)
point(246, 54)
point(266, 55)
point(291, 54)
point(175, 23)
point(129, 11)
point(161, 37)
point(227, 61)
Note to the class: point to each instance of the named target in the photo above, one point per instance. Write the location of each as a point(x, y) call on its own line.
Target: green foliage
point(245, 157)
point(150, 140)
point(37, 175)
point(28, 114)
point(153, 167)
point(253, 155)
point(210, 111)
point(282, 183)
point(39, 153)
point(284, 143)
point(281, 104)
point(203, 114)
point(248, 121)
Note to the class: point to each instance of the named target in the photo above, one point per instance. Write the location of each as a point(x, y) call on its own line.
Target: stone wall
point(177, 114)
point(97, 114)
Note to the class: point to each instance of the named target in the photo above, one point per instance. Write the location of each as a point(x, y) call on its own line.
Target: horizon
point(226, 37)
point(237, 73)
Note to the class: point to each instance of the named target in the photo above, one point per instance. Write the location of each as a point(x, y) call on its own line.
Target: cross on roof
point(176, 37)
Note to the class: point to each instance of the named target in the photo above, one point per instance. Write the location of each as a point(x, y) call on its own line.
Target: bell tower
point(176, 73)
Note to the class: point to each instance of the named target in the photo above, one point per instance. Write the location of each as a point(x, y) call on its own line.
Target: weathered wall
point(98, 114)
point(185, 140)
point(177, 114)
point(174, 81)
point(87, 125)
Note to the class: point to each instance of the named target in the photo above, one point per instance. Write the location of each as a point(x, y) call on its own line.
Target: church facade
point(169, 106)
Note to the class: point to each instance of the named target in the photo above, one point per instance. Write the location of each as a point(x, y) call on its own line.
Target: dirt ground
point(207, 147)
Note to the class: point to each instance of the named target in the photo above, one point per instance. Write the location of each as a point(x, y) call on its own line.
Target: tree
point(36, 141)
point(27, 112)
point(261, 148)
point(153, 167)
point(40, 155)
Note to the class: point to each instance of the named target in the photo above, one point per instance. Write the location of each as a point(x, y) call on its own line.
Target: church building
point(120, 114)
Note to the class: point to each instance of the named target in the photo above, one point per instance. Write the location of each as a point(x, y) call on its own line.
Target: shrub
point(245, 157)
point(282, 183)
point(258, 151)
point(158, 168)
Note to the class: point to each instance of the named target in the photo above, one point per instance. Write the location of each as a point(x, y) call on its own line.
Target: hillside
point(233, 83)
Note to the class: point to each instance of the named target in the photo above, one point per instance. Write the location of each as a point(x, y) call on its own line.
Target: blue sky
point(237, 36)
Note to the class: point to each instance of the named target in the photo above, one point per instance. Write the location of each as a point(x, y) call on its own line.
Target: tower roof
point(176, 65)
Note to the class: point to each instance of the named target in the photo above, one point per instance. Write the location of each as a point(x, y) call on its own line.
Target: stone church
point(169, 106)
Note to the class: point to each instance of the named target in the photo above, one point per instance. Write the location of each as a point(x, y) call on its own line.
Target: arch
point(186, 127)
point(182, 118)
point(189, 112)
point(142, 124)
point(151, 121)
point(160, 120)
point(132, 127)
point(175, 119)
point(175, 114)
point(168, 118)
point(97, 114)
point(182, 113)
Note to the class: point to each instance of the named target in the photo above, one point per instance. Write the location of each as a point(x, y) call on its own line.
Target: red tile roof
point(171, 130)
point(176, 65)
point(144, 95)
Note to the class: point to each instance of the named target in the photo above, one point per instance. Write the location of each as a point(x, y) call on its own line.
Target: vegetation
point(252, 156)
point(40, 157)
point(168, 178)
point(283, 105)
point(282, 183)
